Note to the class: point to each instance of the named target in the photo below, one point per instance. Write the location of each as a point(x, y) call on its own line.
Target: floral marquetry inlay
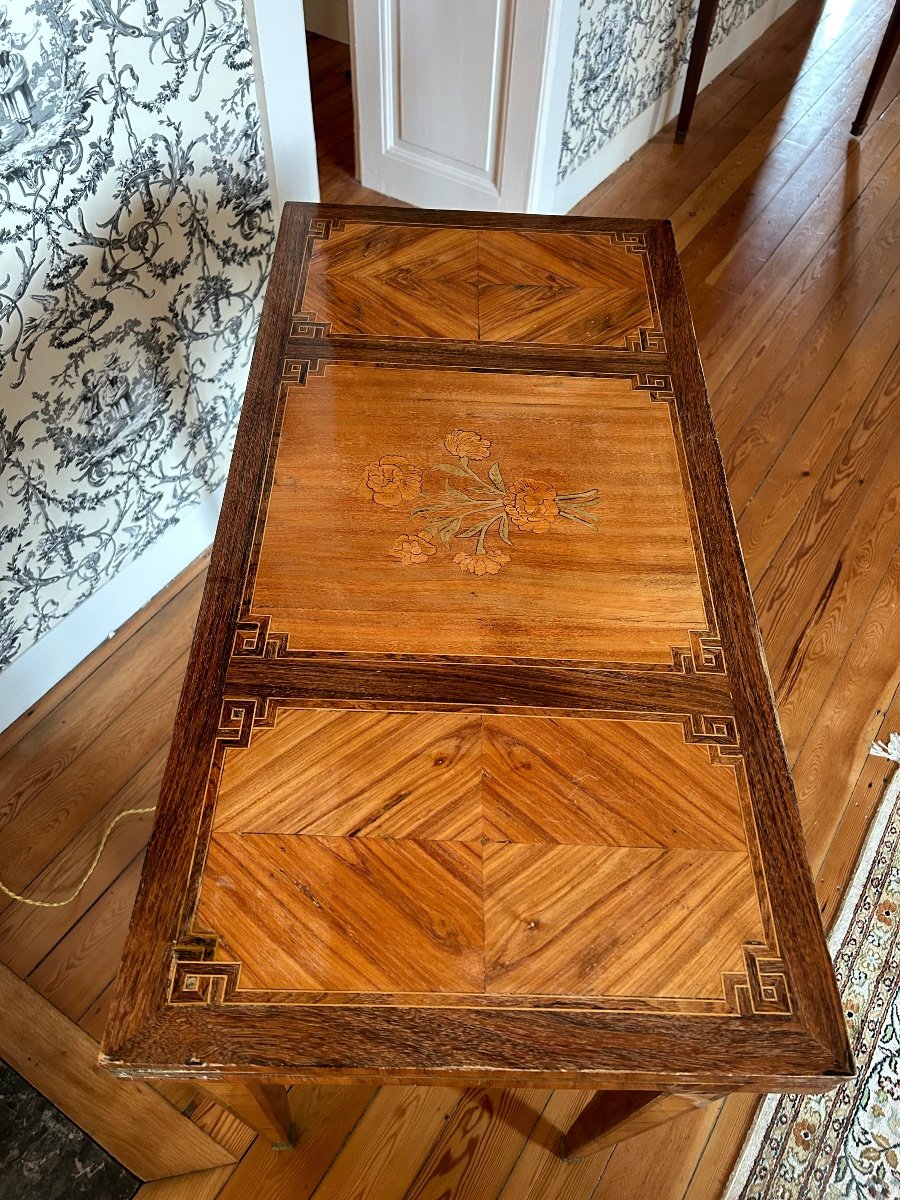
point(476, 504)
point(395, 492)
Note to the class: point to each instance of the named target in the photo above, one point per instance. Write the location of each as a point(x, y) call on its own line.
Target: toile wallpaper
point(135, 236)
point(627, 53)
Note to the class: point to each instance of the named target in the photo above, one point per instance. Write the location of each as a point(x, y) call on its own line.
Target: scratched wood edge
point(433, 1045)
point(157, 914)
point(145, 1036)
point(798, 923)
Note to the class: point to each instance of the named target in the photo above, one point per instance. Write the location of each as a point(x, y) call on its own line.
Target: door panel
point(473, 49)
point(455, 101)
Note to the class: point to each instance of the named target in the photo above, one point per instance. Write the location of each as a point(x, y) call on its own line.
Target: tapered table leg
point(613, 1117)
point(890, 44)
point(706, 15)
point(262, 1106)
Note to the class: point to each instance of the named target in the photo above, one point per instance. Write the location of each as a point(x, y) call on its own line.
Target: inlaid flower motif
point(476, 506)
point(886, 912)
point(392, 480)
point(488, 562)
point(413, 548)
point(465, 443)
point(532, 505)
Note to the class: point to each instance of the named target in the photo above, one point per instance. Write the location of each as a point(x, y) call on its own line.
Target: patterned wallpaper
point(627, 53)
point(135, 235)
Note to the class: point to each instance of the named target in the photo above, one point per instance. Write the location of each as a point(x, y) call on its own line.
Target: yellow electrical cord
point(127, 812)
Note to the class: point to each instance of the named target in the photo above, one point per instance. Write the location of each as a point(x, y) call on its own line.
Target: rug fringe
point(889, 749)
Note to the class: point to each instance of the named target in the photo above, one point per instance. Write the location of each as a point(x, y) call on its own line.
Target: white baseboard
point(49, 660)
point(329, 18)
point(638, 132)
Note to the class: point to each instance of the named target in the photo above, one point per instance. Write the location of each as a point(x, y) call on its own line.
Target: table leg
point(890, 43)
point(262, 1106)
point(706, 15)
point(616, 1116)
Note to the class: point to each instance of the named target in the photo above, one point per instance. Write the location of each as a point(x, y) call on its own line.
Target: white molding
point(553, 100)
point(540, 58)
point(582, 181)
point(329, 18)
point(43, 665)
point(278, 41)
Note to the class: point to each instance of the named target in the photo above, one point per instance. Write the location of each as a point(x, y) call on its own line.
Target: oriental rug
point(845, 1145)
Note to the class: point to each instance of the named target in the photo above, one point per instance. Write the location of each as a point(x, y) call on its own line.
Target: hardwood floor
point(790, 237)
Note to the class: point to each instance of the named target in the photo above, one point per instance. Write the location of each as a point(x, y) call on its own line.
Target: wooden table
point(477, 777)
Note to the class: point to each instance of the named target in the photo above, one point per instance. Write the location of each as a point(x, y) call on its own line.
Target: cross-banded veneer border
point(148, 1036)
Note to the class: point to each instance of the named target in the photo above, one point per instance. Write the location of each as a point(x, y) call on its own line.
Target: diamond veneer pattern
point(495, 286)
point(492, 848)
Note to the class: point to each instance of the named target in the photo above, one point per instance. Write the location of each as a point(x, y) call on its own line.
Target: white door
point(460, 103)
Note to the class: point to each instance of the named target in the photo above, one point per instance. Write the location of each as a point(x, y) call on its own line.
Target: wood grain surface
point(477, 776)
point(464, 854)
point(768, 145)
point(555, 586)
point(572, 288)
point(145, 1133)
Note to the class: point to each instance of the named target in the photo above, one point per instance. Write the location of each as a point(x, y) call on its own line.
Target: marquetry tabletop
point(477, 775)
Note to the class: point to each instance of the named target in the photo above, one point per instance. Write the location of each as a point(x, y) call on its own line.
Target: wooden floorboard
point(790, 237)
point(199, 1185)
point(329, 71)
point(134, 1123)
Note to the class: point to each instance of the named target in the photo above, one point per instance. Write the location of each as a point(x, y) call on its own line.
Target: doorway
point(468, 116)
point(331, 88)
point(332, 103)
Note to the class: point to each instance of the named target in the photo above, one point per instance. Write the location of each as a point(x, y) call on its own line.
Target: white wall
point(278, 38)
point(330, 18)
point(58, 652)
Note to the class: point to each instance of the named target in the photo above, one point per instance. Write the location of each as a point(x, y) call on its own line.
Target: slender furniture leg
point(890, 44)
point(616, 1116)
point(706, 15)
point(262, 1106)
